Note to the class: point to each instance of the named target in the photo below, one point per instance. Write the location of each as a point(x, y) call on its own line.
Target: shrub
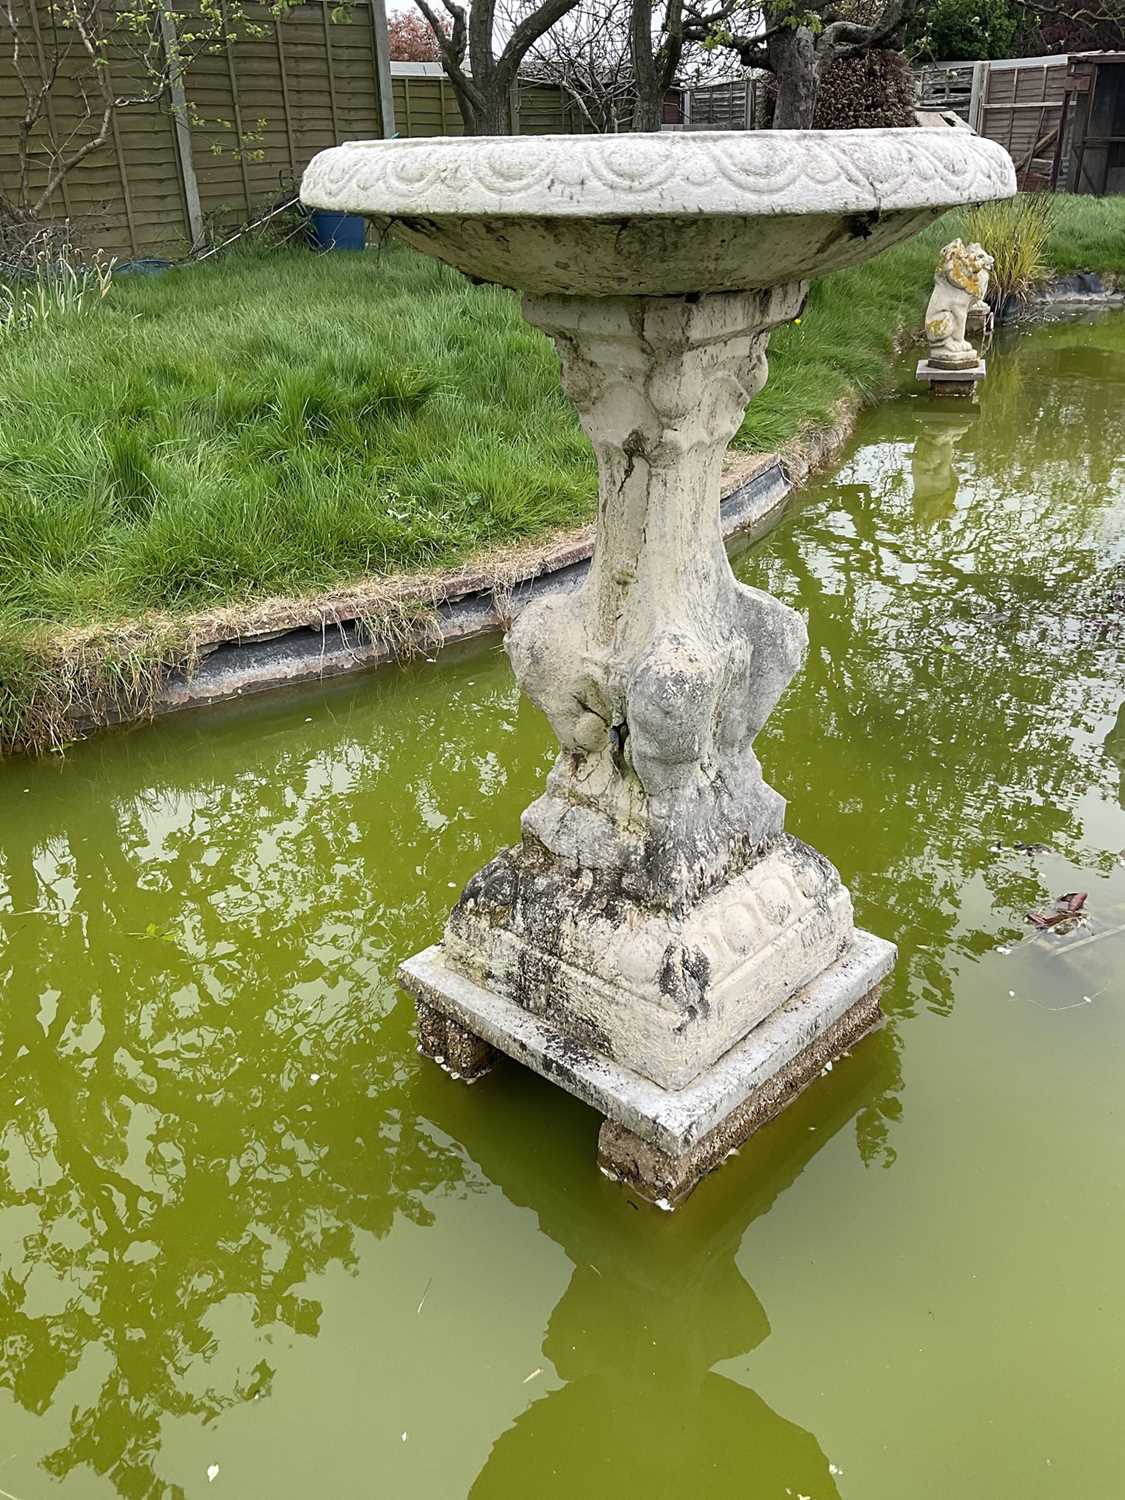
point(964, 30)
point(856, 93)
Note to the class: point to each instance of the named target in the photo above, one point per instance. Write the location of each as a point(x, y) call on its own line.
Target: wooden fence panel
point(425, 106)
point(255, 114)
point(1015, 101)
point(1021, 107)
point(546, 110)
point(127, 196)
point(720, 106)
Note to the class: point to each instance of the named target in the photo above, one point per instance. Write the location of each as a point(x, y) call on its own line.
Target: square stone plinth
point(663, 1141)
point(943, 382)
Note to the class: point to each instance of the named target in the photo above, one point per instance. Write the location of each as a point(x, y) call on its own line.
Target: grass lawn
point(1089, 235)
point(275, 423)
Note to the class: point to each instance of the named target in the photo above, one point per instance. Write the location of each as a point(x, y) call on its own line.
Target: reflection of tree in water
point(212, 1095)
point(652, 1307)
point(951, 666)
point(1115, 749)
point(1053, 411)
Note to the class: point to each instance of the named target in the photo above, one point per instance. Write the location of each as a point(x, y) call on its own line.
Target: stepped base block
point(667, 1180)
point(951, 382)
point(666, 995)
point(658, 1140)
point(458, 1051)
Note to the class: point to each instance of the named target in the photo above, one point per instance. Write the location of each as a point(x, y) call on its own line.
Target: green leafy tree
point(965, 30)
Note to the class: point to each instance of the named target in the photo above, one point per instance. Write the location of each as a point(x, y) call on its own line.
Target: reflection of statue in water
point(1115, 749)
point(652, 1307)
point(961, 279)
point(935, 479)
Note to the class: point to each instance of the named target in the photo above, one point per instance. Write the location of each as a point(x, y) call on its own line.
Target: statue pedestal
point(660, 1142)
point(944, 382)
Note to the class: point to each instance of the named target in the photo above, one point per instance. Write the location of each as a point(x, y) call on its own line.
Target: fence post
point(514, 106)
point(384, 89)
point(327, 19)
point(182, 131)
point(977, 96)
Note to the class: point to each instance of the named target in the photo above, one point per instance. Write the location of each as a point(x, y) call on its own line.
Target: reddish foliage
point(411, 38)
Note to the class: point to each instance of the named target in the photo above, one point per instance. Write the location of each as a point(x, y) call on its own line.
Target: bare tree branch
point(587, 54)
point(452, 48)
point(83, 37)
point(528, 32)
point(481, 78)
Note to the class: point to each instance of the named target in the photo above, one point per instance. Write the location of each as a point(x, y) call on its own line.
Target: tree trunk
point(496, 116)
point(648, 109)
point(793, 59)
point(654, 68)
point(492, 116)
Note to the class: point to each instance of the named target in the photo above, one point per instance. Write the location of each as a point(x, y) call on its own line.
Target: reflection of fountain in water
point(652, 1308)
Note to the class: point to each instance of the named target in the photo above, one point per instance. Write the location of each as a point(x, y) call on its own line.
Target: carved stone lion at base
point(961, 279)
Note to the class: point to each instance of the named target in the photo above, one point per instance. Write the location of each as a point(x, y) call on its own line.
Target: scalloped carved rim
point(668, 174)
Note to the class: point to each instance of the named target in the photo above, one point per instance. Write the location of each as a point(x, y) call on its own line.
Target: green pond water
point(252, 1245)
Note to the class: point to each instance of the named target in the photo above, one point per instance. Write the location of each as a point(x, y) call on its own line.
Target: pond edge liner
point(235, 669)
point(1077, 290)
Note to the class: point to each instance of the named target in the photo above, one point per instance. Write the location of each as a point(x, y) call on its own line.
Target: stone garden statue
point(960, 282)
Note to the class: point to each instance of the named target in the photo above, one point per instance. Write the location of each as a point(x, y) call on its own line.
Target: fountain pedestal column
point(656, 943)
point(655, 912)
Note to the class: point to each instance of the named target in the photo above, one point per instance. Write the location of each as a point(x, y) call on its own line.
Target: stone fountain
point(657, 943)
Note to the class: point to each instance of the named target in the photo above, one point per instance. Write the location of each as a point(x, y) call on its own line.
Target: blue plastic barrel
point(338, 231)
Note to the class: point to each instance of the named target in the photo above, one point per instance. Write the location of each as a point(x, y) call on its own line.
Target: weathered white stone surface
point(698, 211)
point(960, 281)
point(657, 676)
point(672, 1121)
point(925, 369)
point(665, 992)
point(655, 913)
point(654, 907)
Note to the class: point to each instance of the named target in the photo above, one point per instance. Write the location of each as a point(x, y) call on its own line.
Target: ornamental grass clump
point(51, 288)
point(1015, 232)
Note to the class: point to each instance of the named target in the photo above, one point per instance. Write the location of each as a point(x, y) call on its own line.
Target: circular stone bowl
point(658, 214)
